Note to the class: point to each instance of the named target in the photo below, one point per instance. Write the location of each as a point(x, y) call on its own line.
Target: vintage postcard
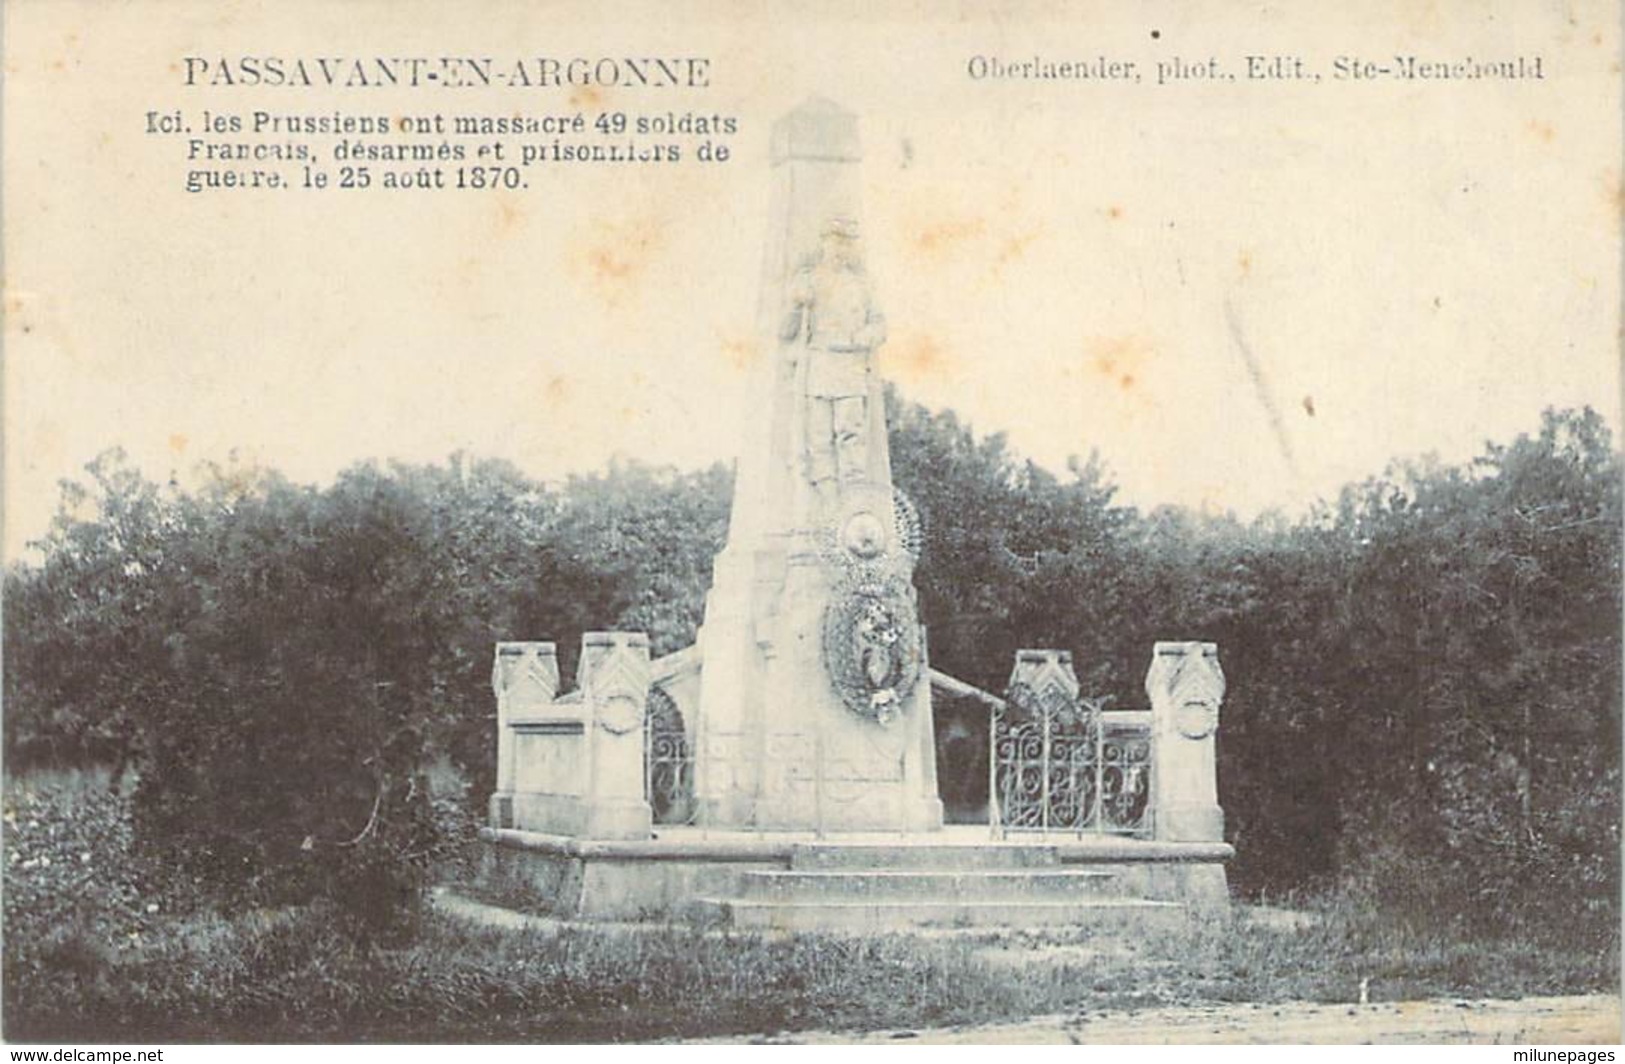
point(536, 521)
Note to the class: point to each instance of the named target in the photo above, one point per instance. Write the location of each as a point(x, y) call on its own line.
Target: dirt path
point(1532, 1021)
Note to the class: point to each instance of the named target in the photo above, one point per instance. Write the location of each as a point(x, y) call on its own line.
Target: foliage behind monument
point(1425, 677)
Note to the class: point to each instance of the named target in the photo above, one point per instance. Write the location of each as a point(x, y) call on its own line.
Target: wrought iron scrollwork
point(1125, 777)
point(1057, 766)
point(668, 761)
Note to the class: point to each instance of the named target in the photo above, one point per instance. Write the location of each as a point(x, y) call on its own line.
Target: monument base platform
point(793, 816)
point(857, 881)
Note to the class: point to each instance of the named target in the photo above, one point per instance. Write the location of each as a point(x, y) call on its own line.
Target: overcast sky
point(1243, 295)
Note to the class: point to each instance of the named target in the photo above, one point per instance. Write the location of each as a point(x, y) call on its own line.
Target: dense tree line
point(1424, 697)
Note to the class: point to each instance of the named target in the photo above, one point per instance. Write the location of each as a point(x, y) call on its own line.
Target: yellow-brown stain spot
point(942, 237)
point(178, 442)
point(584, 96)
point(741, 354)
point(1613, 190)
point(1119, 359)
point(1596, 38)
point(1309, 405)
point(614, 256)
point(916, 357)
point(556, 392)
point(510, 216)
point(1114, 212)
point(1438, 302)
point(1014, 248)
point(611, 263)
point(1244, 262)
point(1542, 131)
point(1423, 18)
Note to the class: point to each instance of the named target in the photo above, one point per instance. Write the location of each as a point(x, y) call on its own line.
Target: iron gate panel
point(1057, 765)
point(668, 761)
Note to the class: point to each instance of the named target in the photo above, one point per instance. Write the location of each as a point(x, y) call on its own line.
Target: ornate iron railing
point(668, 761)
point(1060, 765)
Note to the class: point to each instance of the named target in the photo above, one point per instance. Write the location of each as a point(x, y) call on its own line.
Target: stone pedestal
point(613, 677)
point(525, 679)
point(572, 765)
point(1186, 687)
point(823, 766)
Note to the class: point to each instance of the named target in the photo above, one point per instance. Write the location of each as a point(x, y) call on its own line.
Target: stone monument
point(812, 712)
point(747, 777)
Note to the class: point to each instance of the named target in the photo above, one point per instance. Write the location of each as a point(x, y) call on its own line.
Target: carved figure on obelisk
point(833, 323)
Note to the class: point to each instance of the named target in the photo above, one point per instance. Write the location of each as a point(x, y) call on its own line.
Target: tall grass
point(284, 976)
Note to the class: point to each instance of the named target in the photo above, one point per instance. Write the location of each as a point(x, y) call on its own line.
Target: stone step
point(859, 884)
point(823, 857)
point(883, 916)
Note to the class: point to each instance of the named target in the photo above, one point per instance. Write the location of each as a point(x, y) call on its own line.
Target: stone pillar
point(614, 679)
point(1186, 687)
point(1046, 678)
point(525, 679)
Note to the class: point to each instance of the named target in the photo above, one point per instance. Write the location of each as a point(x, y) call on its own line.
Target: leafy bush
point(286, 664)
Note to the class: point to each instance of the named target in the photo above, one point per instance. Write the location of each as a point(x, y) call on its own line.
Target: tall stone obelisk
point(815, 707)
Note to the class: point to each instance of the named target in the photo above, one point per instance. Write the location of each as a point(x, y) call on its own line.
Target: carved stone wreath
point(620, 714)
point(872, 529)
point(872, 645)
point(1196, 719)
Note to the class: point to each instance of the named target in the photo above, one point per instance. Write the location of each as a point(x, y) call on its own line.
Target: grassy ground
point(283, 976)
point(93, 951)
